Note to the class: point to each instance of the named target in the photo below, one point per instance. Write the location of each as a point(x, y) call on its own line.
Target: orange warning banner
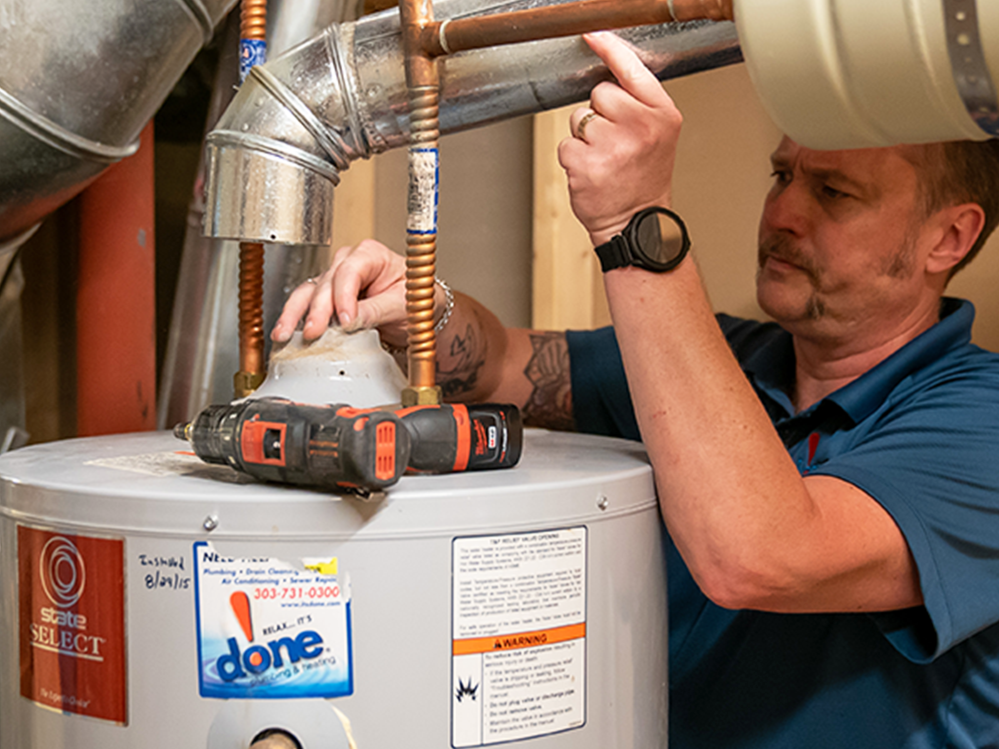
point(522, 640)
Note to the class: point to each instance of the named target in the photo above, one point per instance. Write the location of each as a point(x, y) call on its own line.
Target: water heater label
point(269, 629)
point(71, 596)
point(518, 663)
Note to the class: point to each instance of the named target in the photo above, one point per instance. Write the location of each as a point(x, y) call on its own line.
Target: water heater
point(152, 600)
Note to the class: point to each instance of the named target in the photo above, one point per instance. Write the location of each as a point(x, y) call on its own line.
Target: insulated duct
point(78, 81)
point(857, 74)
point(298, 121)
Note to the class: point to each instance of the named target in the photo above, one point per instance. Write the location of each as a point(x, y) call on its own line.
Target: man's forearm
point(752, 531)
point(479, 359)
point(470, 348)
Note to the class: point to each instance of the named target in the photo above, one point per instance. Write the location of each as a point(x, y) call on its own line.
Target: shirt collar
point(771, 367)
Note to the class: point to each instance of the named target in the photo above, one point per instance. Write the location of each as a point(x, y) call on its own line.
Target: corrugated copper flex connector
point(252, 51)
point(251, 319)
point(423, 83)
point(253, 19)
point(564, 20)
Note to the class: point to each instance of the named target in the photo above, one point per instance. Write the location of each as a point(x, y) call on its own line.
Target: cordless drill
point(344, 448)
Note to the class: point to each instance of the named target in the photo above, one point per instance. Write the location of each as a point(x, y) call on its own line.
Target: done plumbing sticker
point(270, 630)
point(518, 649)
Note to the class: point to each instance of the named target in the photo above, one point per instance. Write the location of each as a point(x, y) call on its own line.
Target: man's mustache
point(783, 247)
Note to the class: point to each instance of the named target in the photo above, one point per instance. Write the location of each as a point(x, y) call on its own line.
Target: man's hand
point(365, 287)
point(623, 160)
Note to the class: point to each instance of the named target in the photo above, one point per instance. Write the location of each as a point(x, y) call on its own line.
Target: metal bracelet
point(438, 326)
point(448, 304)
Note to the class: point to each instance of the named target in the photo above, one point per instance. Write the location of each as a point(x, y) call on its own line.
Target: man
point(829, 484)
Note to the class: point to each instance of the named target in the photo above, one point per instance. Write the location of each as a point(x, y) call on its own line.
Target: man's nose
point(787, 208)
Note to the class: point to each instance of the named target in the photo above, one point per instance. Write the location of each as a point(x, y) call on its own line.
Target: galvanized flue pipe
point(78, 82)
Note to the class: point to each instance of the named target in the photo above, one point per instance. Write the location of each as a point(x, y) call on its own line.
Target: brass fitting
point(421, 396)
point(244, 383)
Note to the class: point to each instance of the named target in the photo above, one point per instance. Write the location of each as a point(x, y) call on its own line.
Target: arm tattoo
point(469, 356)
point(550, 402)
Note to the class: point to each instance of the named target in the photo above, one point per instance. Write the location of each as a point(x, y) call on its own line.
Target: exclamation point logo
point(240, 603)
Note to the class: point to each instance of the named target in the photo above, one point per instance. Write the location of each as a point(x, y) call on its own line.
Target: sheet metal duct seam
point(58, 137)
point(202, 16)
point(304, 115)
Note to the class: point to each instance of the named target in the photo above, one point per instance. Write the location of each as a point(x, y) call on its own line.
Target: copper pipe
point(252, 35)
point(252, 50)
point(423, 82)
point(564, 20)
point(251, 319)
point(253, 20)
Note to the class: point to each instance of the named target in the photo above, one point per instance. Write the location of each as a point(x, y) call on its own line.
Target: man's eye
point(833, 193)
point(781, 176)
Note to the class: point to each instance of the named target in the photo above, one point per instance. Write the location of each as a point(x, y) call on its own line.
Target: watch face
point(660, 237)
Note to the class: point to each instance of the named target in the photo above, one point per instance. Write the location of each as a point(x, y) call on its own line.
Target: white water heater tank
point(153, 601)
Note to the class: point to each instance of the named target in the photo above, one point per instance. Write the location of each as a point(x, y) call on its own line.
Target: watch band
point(614, 254)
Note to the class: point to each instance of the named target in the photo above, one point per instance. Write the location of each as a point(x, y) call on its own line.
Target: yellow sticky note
point(323, 568)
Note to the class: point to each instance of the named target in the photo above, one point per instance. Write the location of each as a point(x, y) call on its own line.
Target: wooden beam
point(568, 287)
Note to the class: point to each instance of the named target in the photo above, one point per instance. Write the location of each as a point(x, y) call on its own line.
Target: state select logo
point(257, 659)
point(71, 609)
point(62, 571)
point(63, 576)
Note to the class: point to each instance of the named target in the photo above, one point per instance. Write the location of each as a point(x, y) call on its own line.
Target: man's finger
point(630, 72)
point(346, 290)
point(294, 308)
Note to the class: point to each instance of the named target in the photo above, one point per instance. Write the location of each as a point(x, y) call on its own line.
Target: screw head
point(602, 502)
point(211, 523)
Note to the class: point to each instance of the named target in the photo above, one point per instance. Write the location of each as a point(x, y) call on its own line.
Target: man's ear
point(958, 230)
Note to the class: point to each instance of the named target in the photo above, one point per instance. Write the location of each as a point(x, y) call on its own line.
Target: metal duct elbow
point(299, 120)
point(78, 82)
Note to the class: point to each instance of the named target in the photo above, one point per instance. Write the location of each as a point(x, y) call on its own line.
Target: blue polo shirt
point(920, 434)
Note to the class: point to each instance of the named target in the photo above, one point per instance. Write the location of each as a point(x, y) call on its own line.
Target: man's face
point(840, 242)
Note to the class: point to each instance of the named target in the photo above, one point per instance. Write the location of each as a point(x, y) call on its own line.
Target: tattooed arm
point(477, 358)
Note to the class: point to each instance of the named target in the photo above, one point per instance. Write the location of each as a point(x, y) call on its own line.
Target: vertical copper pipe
point(253, 19)
point(252, 35)
point(421, 226)
point(252, 50)
point(251, 319)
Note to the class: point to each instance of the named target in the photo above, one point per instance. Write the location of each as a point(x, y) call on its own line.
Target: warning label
point(518, 636)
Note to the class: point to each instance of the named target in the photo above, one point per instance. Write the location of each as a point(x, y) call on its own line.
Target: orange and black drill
point(364, 450)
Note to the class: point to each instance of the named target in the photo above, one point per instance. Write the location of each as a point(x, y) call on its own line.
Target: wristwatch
point(655, 239)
